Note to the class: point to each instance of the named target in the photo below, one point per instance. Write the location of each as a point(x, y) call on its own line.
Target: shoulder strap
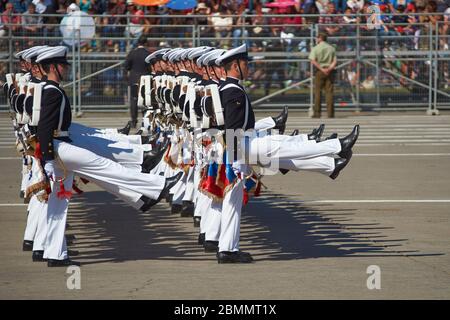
point(63, 104)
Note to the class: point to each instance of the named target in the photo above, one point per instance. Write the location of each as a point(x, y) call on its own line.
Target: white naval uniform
point(88, 164)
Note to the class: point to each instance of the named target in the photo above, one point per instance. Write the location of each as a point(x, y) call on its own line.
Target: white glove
point(49, 168)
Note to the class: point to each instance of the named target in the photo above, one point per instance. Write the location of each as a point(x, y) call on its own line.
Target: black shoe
point(38, 256)
point(332, 136)
point(21, 194)
point(70, 237)
point(126, 129)
point(139, 132)
point(27, 245)
point(234, 257)
point(197, 222)
point(176, 208)
point(169, 198)
point(146, 205)
point(62, 263)
point(170, 182)
point(152, 158)
point(280, 120)
point(211, 246)
point(339, 164)
point(188, 209)
point(348, 142)
point(73, 252)
point(201, 239)
point(295, 133)
point(316, 134)
point(145, 139)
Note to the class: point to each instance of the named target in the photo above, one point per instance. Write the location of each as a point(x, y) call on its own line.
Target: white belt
point(59, 134)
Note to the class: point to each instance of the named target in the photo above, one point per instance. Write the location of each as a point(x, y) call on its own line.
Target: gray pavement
point(311, 237)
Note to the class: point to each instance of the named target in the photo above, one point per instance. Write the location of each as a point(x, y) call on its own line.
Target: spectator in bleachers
point(222, 26)
point(322, 6)
point(330, 22)
point(203, 22)
point(40, 6)
point(355, 5)
point(10, 19)
point(31, 22)
point(85, 5)
point(240, 28)
point(138, 24)
point(20, 6)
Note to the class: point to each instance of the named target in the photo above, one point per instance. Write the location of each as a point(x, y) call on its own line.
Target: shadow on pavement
point(107, 230)
point(294, 230)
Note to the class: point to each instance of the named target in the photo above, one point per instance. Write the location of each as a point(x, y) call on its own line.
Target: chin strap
point(57, 71)
point(240, 71)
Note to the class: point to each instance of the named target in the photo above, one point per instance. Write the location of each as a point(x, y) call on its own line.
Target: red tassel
point(63, 193)
point(211, 187)
point(245, 196)
point(37, 151)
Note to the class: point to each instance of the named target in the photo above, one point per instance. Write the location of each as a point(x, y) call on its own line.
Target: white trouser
point(291, 139)
point(276, 149)
point(25, 174)
point(230, 219)
point(130, 197)
point(41, 230)
point(264, 124)
point(55, 246)
point(324, 165)
point(200, 210)
point(33, 205)
point(111, 134)
point(189, 192)
point(123, 152)
point(32, 219)
point(213, 215)
point(179, 189)
point(197, 178)
point(90, 165)
point(127, 154)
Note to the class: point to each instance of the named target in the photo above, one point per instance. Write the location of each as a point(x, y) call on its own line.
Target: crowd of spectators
point(24, 17)
point(119, 23)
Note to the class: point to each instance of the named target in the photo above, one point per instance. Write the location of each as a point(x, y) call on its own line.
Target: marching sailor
point(61, 159)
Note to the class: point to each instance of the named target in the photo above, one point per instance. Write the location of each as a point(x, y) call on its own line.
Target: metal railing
point(404, 67)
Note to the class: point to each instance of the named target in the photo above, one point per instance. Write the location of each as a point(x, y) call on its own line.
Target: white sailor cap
point(174, 54)
point(157, 55)
point(212, 57)
point(202, 57)
point(32, 54)
point(19, 55)
point(166, 54)
point(184, 55)
point(197, 52)
point(179, 54)
point(233, 54)
point(50, 55)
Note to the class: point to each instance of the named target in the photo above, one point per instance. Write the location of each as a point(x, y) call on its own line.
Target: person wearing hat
point(323, 57)
point(136, 66)
point(61, 159)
